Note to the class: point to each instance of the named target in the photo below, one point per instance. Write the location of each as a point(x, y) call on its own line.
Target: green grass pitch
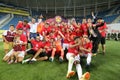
point(102, 67)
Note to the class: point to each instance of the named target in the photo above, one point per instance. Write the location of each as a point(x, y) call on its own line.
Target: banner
point(113, 28)
point(1, 32)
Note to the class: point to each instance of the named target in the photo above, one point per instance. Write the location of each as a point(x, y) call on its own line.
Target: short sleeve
point(4, 33)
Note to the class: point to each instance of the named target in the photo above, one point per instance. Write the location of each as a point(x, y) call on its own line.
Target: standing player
point(21, 55)
point(84, 27)
point(102, 31)
point(66, 39)
point(25, 26)
point(94, 36)
point(8, 37)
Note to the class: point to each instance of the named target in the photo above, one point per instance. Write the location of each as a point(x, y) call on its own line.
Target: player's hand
point(94, 25)
point(70, 46)
point(80, 53)
point(81, 48)
point(92, 14)
point(28, 39)
point(100, 31)
point(6, 41)
point(72, 55)
point(15, 43)
point(59, 32)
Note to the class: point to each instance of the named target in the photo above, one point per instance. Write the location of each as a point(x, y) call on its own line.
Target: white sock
point(33, 59)
point(70, 64)
point(79, 70)
point(89, 58)
point(11, 60)
point(26, 60)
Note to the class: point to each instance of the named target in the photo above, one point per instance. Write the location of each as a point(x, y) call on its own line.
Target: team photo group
point(65, 40)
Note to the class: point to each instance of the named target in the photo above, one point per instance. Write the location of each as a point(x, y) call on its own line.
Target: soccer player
point(46, 29)
point(73, 58)
point(84, 27)
point(66, 39)
point(25, 26)
point(23, 38)
point(21, 55)
point(8, 37)
point(94, 36)
point(37, 50)
point(102, 31)
point(49, 45)
point(86, 50)
point(58, 48)
point(17, 48)
point(33, 28)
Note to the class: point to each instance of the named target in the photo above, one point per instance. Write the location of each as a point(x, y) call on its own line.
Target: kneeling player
point(17, 49)
point(85, 50)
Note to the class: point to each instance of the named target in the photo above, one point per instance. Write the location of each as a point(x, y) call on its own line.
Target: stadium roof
point(52, 4)
point(62, 7)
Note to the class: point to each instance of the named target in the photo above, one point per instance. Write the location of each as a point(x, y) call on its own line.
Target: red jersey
point(84, 29)
point(48, 45)
point(103, 33)
point(36, 45)
point(73, 50)
point(20, 25)
point(24, 27)
point(46, 31)
point(75, 27)
point(54, 28)
point(78, 32)
point(74, 33)
point(24, 39)
point(87, 46)
point(67, 38)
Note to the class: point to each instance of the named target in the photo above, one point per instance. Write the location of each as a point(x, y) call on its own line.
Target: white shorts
point(27, 50)
point(41, 37)
point(65, 46)
point(21, 54)
point(86, 55)
point(9, 53)
point(76, 58)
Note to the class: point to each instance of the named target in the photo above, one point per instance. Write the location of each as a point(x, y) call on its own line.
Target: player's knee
point(71, 59)
point(46, 58)
point(62, 50)
point(54, 49)
point(20, 59)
